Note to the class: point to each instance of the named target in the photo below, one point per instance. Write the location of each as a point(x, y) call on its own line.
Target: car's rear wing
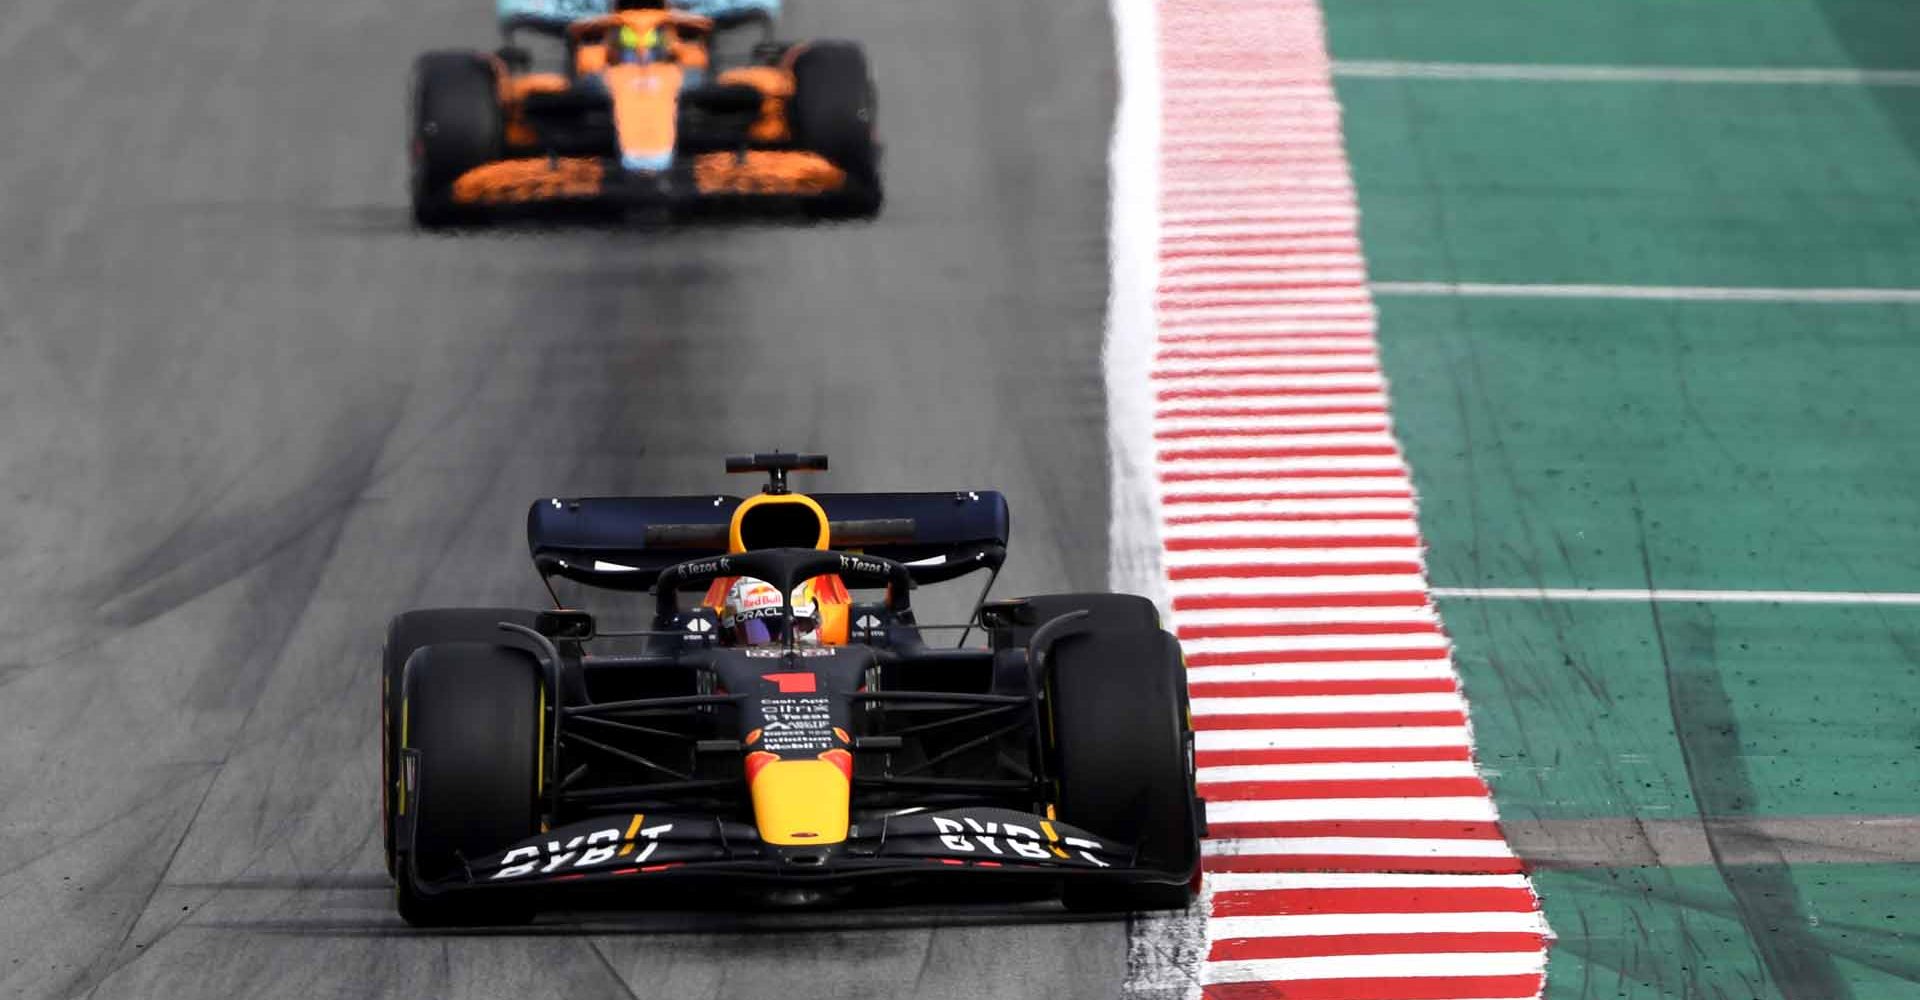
point(551, 17)
point(622, 543)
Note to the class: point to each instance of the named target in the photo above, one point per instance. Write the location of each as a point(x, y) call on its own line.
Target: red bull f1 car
point(640, 114)
point(537, 760)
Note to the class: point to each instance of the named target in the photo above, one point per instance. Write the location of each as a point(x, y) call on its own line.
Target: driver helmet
point(751, 614)
point(634, 45)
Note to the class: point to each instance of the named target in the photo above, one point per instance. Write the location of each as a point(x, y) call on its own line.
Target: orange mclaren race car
point(784, 730)
point(641, 115)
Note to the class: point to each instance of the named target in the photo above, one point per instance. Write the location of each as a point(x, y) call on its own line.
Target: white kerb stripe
point(1278, 509)
point(1350, 924)
point(1331, 739)
point(1502, 963)
point(1275, 528)
point(1256, 881)
point(1362, 771)
point(1346, 670)
point(1433, 642)
point(1386, 847)
point(1399, 615)
point(1296, 586)
point(1474, 808)
point(1285, 557)
point(1328, 704)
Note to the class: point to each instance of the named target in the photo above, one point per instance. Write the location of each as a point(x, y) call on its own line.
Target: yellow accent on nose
point(801, 803)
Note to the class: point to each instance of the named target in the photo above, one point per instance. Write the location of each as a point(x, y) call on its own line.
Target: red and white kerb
point(1354, 849)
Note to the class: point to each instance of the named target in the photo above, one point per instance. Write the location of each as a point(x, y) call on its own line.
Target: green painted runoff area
point(1635, 183)
point(1698, 445)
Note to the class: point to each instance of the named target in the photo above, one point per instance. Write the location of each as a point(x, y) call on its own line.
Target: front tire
point(473, 717)
point(1123, 760)
point(833, 113)
point(407, 632)
point(457, 125)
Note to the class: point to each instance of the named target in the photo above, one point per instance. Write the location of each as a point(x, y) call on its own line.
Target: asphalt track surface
point(249, 415)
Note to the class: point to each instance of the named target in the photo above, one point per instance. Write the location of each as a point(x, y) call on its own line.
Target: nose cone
point(646, 102)
point(800, 803)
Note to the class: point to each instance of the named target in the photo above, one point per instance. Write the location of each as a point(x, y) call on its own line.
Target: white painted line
point(1344, 924)
point(1658, 293)
point(1679, 596)
point(1536, 73)
point(1461, 808)
point(1361, 771)
point(1337, 739)
point(1503, 963)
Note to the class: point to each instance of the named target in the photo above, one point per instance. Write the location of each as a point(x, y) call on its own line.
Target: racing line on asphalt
point(1354, 849)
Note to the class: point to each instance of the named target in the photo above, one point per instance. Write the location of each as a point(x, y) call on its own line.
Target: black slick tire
point(473, 718)
point(457, 125)
point(1104, 611)
point(406, 633)
point(1122, 756)
point(832, 113)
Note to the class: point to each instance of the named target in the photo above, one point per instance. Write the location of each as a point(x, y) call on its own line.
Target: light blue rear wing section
point(725, 9)
point(555, 13)
point(560, 13)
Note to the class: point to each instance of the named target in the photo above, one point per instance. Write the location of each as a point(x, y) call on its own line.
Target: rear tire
point(1123, 757)
point(832, 113)
point(457, 125)
point(1107, 612)
point(473, 717)
point(406, 633)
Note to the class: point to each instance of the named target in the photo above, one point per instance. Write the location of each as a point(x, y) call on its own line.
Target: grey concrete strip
point(1668, 843)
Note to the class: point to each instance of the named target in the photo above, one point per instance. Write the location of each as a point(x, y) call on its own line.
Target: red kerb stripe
point(1399, 899)
point(1222, 602)
point(1243, 949)
point(1283, 689)
point(1375, 788)
point(1262, 571)
point(1420, 988)
point(1227, 543)
point(1264, 863)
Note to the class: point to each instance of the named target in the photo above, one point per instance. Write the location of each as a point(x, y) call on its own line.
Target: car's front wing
point(983, 843)
point(753, 174)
